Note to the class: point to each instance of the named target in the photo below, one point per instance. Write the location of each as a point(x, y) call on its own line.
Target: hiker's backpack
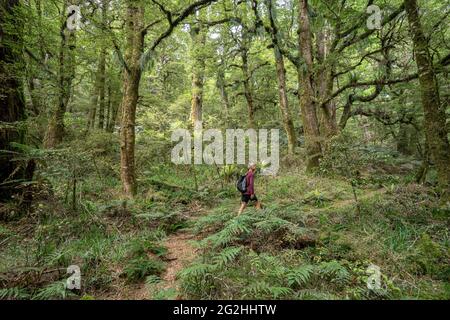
point(241, 184)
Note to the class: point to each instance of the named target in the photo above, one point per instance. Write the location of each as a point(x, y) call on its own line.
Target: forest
point(93, 92)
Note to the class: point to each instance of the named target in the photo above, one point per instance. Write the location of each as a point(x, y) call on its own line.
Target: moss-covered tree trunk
point(281, 79)
point(284, 102)
point(221, 85)
point(434, 112)
point(93, 107)
point(102, 89)
point(114, 106)
point(132, 76)
point(66, 73)
point(108, 107)
point(403, 139)
point(198, 36)
point(248, 88)
point(306, 89)
point(102, 72)
point(12, 105)
point(324, 79)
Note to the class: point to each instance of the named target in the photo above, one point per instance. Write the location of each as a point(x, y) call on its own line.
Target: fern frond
point(14, 293)
point(300, 276)
point(334, 269)
point(197, 269)
point(226, 256)
point(55, 290)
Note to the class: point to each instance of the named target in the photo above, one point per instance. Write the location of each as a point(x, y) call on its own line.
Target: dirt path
point(180, 254)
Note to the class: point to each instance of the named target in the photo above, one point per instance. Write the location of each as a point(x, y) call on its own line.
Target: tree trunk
point(12, 106)
point(66, 73)
point(102, 89)
point(248, 90)
point(327, 113)
point(108, 107)
point(114, 110)
point(35, 94)
point(102, 71)
point(403, 139)
point(198, 35)
point(223, 92)
point(132, 77)
point(434, 112)
point(306, 90)
point(281, 77)
point(93, 107)
point(284, 104)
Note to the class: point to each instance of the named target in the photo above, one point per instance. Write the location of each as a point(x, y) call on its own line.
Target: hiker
point(249, 193)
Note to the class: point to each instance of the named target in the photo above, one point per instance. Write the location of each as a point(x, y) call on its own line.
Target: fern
point(58, 257)
point(300, 276)
point(197, 270)
point(55, 290)
point(313, 294)
point(261, 289)
point(279, 292)
point(333, 269)
point(197, 280)
point(272, 224)
point(140, 267)
point(14, 293)
point(234, 228)
point(213, 220)
point(257, 288)
point(226, 256)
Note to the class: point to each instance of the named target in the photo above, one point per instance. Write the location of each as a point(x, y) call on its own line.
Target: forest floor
point(311, 240)
point(181, 252)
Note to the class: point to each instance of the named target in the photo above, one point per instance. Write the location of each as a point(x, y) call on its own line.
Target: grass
point(402, 231)
point(309, 241)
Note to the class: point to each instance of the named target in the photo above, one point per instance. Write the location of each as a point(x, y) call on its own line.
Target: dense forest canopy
point(91, 92)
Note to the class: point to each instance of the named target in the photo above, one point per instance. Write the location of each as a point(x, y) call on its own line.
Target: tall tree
point(134, 49)
point(281, 76)
point(12, 104)
point(66, 74)
point(221, 85)
point(247, 76)
point(135, 32)
point(434, 112)
point(324, 83)
point(306, 88)
point(198, 37)
point(102, 71)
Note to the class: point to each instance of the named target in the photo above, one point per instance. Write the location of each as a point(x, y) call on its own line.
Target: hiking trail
point(181, 252)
